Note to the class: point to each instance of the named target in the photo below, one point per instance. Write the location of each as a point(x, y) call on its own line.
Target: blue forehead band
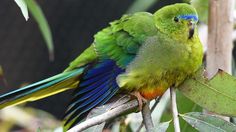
point(189, 17)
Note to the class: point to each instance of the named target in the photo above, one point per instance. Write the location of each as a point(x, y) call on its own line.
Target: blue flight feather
point(77, 113)
point(85, 83)
point(95, 90)
point(98, 69)
point(108, 96)
point(91, 96)
point(92, 86)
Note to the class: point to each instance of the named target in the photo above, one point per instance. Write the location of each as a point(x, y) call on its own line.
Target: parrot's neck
point(183, 37)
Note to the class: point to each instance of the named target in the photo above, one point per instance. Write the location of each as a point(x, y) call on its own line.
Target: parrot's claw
point(140, 99)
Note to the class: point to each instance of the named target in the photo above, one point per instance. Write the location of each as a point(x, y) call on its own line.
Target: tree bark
point(220, 29)
point(147, 118)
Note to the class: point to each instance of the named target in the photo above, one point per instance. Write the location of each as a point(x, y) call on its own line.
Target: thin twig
point(147, 118)
point(174, 109)
point(105, 116)
point(152, 109)
point(156, 103)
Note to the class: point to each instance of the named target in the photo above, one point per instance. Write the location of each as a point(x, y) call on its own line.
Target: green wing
point(122, 40)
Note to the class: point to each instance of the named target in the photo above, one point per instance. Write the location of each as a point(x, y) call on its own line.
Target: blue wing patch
point(96, 87)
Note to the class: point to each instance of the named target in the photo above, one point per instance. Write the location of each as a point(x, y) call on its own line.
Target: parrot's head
point(178, 20)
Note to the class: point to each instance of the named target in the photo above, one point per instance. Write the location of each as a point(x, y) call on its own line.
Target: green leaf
point(208, 123)
point(141, 5)
point(23, 8)
point(162, 127)
point(184, 105)
point(217, 95)
point(38, 15)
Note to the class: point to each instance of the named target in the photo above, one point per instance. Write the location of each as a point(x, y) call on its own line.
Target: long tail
point(53, 85)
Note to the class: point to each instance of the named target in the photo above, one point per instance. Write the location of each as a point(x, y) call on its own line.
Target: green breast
point(162, 61)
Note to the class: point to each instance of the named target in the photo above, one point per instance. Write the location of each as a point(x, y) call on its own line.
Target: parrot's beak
point(191, 29)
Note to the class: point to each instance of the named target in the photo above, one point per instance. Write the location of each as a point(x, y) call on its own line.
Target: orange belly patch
point(150, 94)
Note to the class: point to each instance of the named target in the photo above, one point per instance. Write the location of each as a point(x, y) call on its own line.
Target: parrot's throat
point(191, 33)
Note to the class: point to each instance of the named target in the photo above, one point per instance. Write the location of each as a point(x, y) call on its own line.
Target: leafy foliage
point(185, 105)
point(216, 95)
point(208, 123)
point(38, 15)
point(23, 7)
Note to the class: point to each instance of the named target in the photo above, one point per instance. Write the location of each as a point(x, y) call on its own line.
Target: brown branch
point(220, 29)
point(152, 109)
point(147, 118)
point(105, 116)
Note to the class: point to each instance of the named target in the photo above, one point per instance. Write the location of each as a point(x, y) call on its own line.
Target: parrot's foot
point(140, 99)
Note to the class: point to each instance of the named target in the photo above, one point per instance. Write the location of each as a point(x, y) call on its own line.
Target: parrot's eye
point(176, 19)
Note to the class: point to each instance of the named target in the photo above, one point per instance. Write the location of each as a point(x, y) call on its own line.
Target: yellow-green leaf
point(208, 123)
point(217, 95)
point(38, 15)
point(184, 106)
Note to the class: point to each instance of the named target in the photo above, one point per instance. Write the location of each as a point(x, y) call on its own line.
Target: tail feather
point(42, 89)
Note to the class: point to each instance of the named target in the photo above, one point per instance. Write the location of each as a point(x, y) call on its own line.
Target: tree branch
point(147, 118)
point(105, 116)
point(152, 109)
point(219, 51)
point(174, 109)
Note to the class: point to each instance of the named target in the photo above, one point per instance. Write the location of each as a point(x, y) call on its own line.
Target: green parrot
point(142, 54)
